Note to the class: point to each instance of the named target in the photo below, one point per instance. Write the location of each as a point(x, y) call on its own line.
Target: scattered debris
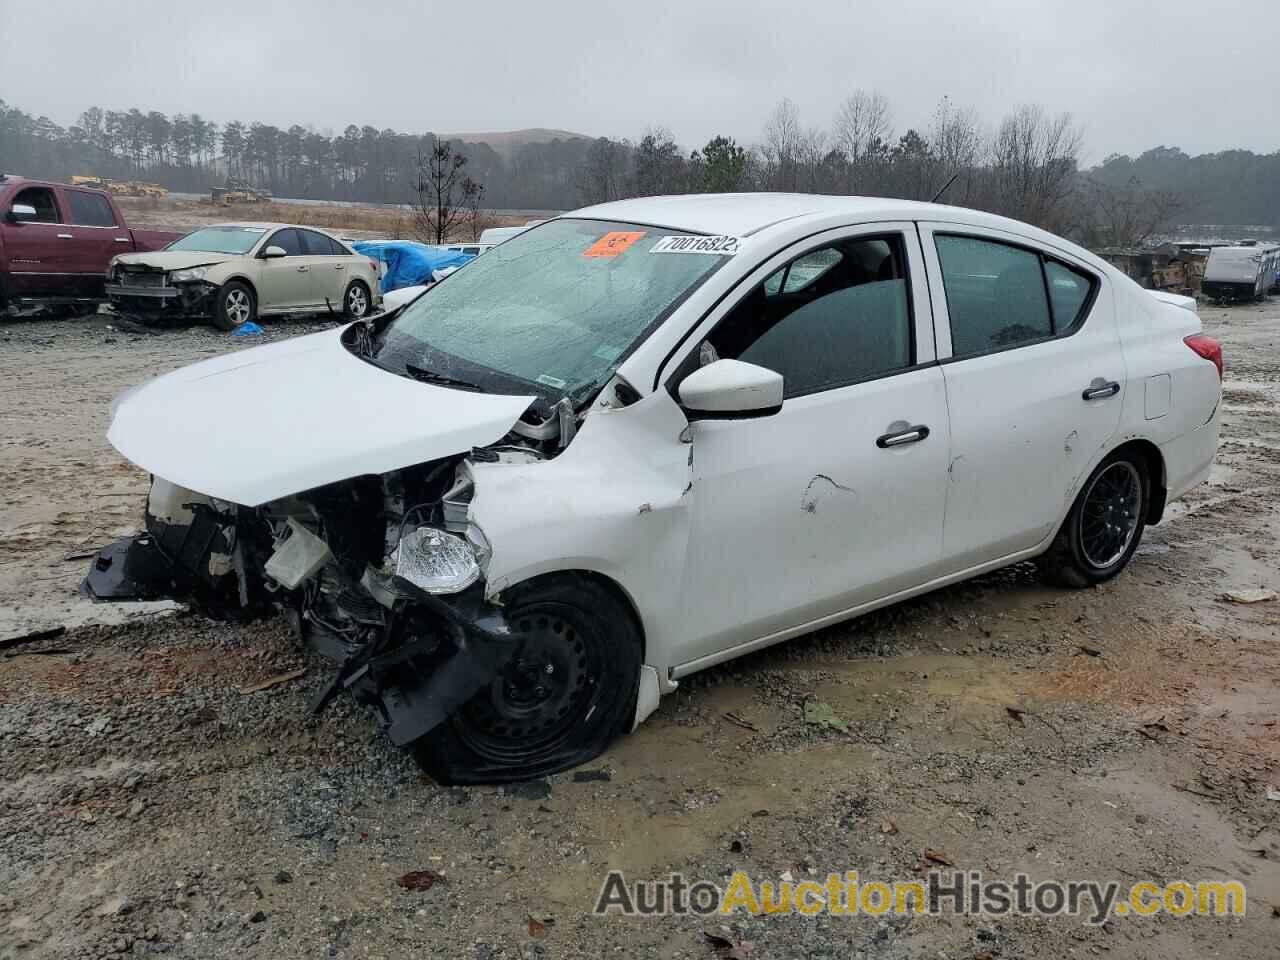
point(247, 329)
point(83, 554)
point(275, 681)
point(257, 916)
point(538, 925)
point(592, 776)
point(1248, 596)
point(1273, 793)
point(283, 876)
point(1016, 713)
point(938, 857)
point(741, 722)
point(889, 827)
point(820, 714)
point(35, 636)
point(1089, 651)
point(727, 945)
point(419, 880)
point(47, 652)
point(529, 789)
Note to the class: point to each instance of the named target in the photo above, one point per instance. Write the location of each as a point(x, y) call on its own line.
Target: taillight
point(1206, 347)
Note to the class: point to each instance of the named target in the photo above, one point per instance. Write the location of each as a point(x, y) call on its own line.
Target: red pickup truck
point(55, 242)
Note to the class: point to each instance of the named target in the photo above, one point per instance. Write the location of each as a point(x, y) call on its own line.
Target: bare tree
point(956, 147)
point(603, 173)
point(863, 125)
point(659, 166)
point(440, 195)
point(1033, 167)
point(472, 194)
point(782, 146)
point(1130, 215)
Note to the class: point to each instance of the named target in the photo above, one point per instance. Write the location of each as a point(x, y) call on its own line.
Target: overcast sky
point(1136, 74)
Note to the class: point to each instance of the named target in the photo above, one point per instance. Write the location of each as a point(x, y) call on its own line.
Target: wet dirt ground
point(149, 805)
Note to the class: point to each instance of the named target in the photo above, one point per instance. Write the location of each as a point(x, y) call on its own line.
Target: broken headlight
point(436, 561)
point(186, 276)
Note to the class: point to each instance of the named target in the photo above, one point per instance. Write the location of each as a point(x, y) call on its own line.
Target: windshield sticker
point(607, 353)
point(550, 381)
point(720, 246)
point(613, 243)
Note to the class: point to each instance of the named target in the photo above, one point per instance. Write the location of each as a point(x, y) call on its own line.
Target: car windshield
point(224, 239)
point(552, 311)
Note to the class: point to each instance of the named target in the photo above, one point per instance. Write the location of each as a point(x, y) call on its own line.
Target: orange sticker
point(613, 243)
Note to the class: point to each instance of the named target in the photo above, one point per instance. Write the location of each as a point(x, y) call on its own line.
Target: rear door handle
point(65, 236)
point(1098, 389)
point(910, 435)
point(122, 239)
point(302, 269)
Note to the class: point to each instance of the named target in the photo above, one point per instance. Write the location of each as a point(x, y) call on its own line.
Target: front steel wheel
point(568, 689)
point(1105, 524)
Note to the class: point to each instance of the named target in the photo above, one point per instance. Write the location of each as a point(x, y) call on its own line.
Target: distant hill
point(507, 140)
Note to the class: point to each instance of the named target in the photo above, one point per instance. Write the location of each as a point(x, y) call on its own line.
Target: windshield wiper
point(430, 376)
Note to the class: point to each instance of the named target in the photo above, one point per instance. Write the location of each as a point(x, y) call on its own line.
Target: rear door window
point(317, 244)
point(90, 209)
point(995, 295)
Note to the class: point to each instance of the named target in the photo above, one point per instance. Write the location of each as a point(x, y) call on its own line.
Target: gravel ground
point(148, 805)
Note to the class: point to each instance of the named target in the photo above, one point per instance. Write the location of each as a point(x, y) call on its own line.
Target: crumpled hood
point(261, 424)
point(174, 259)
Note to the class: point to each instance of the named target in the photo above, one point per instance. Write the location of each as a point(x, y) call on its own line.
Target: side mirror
point(271, 252)
point(730, 390)
point(21, 212)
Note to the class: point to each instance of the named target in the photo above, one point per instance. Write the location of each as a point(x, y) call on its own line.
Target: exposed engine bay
point(384, 575)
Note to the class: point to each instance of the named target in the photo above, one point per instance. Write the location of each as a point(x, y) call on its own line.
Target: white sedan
point(654, 435)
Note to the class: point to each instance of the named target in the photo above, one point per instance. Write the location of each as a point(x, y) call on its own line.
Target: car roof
point(743, 214)
point(264, 225)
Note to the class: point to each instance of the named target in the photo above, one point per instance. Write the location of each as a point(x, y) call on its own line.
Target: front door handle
point(910, 435)
point(1099, 389)
point(122, 239)
point(65, 236)
point(302, 269)
point(339, 266)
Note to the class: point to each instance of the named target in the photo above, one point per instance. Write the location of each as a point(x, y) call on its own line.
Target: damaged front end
point(155, 294)
point(381, 574)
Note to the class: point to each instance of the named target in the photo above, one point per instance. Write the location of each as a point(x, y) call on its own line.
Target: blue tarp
point(409, 263)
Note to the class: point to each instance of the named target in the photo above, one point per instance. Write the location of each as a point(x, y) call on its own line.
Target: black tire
point(356, 295)
point(568, 691)
point(1105, 524)
point(235, 305)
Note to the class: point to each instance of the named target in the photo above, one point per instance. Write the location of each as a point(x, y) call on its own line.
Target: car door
point(328, 270)
point(1035, 380)
point(38, 250)
point(284, 283)
point(836, 500)
point(97, 238)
